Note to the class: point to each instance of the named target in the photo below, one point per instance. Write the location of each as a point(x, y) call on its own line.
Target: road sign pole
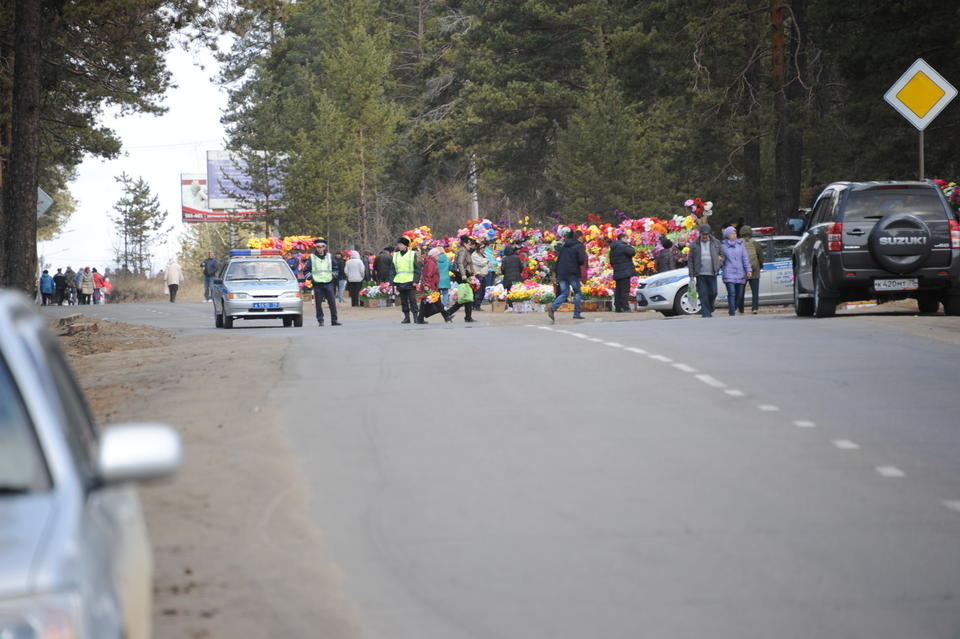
point(921, 154)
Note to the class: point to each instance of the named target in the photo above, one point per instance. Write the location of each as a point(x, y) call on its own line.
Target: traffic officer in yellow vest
point(405, 273)
point(323, 272)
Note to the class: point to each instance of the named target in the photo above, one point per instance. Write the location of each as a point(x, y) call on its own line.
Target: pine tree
point(137, 221)
point(594, 165)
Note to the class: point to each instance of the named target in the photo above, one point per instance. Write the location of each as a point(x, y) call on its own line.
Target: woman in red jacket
point(430, 279)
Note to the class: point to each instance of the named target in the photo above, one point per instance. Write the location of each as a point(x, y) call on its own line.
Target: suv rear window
point(876, 204)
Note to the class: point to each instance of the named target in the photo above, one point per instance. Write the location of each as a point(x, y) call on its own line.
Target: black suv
point(878, 240)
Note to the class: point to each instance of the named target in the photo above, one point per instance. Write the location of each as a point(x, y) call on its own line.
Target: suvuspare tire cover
point(900, 243)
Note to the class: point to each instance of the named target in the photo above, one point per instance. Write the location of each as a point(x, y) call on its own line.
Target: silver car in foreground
point(75, 560)
point(255, 287)
point(668, 292)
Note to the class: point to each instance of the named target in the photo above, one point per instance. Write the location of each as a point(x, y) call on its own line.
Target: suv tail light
point(954, 234)
point(835, 237)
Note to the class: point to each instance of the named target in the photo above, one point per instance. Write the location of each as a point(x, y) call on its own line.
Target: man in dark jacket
point(60, 287)
point(703, 264)
point(570, 258)
point(382, 265)
point(621, 259)
point(210, 268)
point(511, 266)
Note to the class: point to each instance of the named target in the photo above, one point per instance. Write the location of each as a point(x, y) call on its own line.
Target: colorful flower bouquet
point(285, 245)
point(377, 291)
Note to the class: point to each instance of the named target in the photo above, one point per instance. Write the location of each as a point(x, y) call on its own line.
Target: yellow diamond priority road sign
point(920, 94)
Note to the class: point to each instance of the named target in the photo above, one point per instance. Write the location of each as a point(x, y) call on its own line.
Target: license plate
point(266, 305)
point(903, 284)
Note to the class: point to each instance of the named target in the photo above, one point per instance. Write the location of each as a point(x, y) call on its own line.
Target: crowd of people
point(737, 259)
point(738, 255)
point(412, 271)
point(69, 287)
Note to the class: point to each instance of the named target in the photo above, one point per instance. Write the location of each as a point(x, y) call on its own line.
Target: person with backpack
point(755, 254)
point(47, 288)
point(210, 268)
point(70, 276)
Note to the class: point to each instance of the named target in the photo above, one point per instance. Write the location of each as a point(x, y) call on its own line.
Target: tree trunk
point(18, 218)
point(788, 92)
point(364, 226)
point(751, 154)
point(781, 114)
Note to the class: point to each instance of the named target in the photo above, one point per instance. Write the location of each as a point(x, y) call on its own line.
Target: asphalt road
point(751, 477)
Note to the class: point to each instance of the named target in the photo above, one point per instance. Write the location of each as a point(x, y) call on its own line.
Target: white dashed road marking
point(952, 505)
point(846, 444)
point(890, 471)
point(842, 444)
point(710, 381)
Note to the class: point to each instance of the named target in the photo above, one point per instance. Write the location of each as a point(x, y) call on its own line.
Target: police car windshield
point(258, 270)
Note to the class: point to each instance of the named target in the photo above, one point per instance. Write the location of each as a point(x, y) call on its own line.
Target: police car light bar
point(253, 252)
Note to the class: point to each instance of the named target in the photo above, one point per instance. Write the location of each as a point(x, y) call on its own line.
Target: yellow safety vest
point(321, 269)
point(404, 265)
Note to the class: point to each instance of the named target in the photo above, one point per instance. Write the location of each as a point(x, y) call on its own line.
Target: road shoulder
point(234, 550)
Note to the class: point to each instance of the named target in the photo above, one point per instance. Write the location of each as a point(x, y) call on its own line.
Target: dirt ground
point(235, 554)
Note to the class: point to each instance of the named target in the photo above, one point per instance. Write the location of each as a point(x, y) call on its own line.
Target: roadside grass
point(132, 288)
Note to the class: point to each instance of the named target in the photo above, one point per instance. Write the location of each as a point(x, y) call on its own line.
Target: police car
point(256, 284)
point(669, 292)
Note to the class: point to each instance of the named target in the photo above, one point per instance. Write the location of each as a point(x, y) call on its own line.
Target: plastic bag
point(464, 293)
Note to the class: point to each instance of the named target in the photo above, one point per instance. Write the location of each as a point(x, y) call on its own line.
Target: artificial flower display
point(951, 191)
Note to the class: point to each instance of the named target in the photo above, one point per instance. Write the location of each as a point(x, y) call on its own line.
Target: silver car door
point(776, 285)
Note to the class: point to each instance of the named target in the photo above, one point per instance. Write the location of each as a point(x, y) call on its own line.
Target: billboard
point(195, 202)
point(227, 179)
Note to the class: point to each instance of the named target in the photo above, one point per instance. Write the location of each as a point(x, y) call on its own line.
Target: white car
point(668, 292)
point(256, 284)
point(75, 557)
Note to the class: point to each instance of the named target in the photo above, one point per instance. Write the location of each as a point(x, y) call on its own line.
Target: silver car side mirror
point(138, 452)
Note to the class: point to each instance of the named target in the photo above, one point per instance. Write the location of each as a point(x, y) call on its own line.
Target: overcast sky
point(158, 149)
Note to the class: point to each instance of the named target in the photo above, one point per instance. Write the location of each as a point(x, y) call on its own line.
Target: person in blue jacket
point(443, 265)
point(736, 268)
point(47, 287)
